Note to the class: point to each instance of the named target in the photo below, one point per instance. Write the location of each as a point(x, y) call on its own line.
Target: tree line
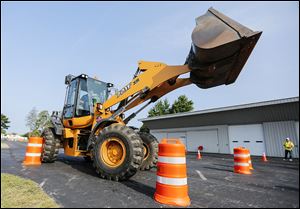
point(163, 107)
point(36, 122)
point(4, 123)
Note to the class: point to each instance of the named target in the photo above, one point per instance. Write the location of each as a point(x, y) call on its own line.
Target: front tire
point(117, 153)
point(51, 146)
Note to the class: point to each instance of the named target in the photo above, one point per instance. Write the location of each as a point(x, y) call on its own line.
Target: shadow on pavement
point(139, 187)
point(86, 167)
point(79, 164)
point(287, 188)
point(287, 167)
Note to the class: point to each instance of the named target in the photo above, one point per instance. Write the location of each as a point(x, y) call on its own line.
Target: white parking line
point(42, 184)
point(201, 175)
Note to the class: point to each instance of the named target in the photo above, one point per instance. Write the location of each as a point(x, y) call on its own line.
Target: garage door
point(164, 135)
point(178, 135)
point(207, 138)
point(249, 136)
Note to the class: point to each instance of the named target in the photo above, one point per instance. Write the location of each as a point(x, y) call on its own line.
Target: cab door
point(77, 109)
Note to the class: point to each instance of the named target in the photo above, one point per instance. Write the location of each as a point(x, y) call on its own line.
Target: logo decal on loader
point(126, 88)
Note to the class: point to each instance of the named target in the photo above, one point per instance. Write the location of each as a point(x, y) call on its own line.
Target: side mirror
point(112, 91)
point(68, 79)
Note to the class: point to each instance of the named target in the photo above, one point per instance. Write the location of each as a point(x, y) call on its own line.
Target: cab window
point(98, 91)
point(83, 101)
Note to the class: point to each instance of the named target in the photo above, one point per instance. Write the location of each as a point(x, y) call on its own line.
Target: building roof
point(266, 111)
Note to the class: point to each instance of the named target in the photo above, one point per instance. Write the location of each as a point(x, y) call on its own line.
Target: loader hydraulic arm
point(152, 81)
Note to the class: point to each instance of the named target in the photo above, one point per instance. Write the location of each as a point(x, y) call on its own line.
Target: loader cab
point(82, 94)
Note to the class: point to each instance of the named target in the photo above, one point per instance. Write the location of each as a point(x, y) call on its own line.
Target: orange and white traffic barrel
point(34, 151)
point(249, 160)
point(171, 182)
point(241, 160)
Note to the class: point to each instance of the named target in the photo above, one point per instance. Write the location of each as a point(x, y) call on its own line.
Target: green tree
point(182, 104)
point(31, 119)
point(37, 121)
point(43, 120)
point(4, 123)
point(25, 135)
point(162, 107)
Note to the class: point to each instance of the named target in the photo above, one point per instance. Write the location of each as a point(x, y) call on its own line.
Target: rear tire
point(51, 146)
point(130, 156)
point(150, 143)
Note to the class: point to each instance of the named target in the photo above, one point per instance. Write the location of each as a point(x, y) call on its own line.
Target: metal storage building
point(261, 127)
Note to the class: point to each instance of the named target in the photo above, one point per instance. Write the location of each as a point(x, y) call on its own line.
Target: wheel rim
point(113, 152)
point(146, 151)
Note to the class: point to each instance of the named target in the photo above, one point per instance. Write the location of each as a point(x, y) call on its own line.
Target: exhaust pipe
point(220, 49)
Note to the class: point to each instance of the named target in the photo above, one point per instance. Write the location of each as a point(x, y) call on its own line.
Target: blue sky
point(41, 42)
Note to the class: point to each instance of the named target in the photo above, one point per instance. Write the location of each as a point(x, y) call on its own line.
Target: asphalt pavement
point(72, 182)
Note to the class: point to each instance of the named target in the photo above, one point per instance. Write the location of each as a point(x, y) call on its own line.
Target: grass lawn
point(17, 192)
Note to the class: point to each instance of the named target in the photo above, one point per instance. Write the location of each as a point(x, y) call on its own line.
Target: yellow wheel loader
point(93, 124)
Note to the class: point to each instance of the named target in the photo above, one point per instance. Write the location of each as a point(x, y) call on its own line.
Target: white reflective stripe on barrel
point(172, 181)
point(34, 145)
point(241, 164)
point(171, 160)
point(242, 155)
point(33, 154)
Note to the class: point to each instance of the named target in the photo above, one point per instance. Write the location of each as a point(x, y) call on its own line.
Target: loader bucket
point(220, 49)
